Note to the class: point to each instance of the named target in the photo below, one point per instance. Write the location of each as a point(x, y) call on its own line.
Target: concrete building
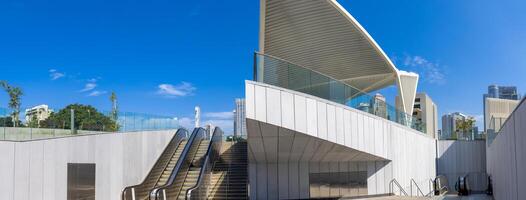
point(499, 109)
point(496, 111)
point(379, 105)
point(240, 124)
point(425, 110)
point(308, 133)
point(39, 113)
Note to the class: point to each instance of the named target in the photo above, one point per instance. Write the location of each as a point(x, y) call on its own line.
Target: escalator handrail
point(211, 155)
point(179, 135)
point(154, 193)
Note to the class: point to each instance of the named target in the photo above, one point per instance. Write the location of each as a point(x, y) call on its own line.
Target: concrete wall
point(458, 157)
point(410, 154)
point(506, 157)
point(36, 170)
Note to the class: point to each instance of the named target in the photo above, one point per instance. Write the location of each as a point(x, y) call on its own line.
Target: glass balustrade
point(44, 125)
point(275, 71)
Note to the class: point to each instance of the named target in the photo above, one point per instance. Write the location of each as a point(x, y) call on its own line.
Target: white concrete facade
point(284, 126)
point(460, 157)
point(506, 161)
point(35, 170)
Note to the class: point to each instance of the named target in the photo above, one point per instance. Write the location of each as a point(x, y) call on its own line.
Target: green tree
point(114, 108)
point(33, 122)
point(86, 117)
point(7, 122)
point(14, 101)
point(464, 127)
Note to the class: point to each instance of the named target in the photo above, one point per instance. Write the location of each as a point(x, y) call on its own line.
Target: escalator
point(191, 177)
point(161, 170)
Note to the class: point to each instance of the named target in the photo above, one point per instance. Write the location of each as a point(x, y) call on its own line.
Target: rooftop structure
point(322, 36)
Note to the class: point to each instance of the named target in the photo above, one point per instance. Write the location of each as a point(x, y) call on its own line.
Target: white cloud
point(224, 120)
point(54, 74)
point(89, 86)
point(431, 72)
point(180, 90)
point(219, 115)
point(186, 122)
point(226, 125)
point(96, 93)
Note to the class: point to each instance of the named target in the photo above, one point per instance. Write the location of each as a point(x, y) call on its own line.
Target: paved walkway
point(447, 197)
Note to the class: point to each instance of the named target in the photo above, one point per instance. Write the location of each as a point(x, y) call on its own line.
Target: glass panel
point(337, 184)
point(278, 72)
point(42, 123)
point(81, 181)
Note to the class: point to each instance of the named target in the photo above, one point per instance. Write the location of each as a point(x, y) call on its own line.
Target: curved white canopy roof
point(321, 35)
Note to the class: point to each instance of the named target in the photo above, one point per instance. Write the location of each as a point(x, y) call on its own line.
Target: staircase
point(173, 161)
point(193, 173)
point(229, 176)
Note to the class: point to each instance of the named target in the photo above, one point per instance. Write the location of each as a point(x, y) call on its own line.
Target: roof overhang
point(322, 36)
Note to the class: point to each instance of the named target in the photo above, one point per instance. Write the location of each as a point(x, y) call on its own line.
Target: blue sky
point(165, 57)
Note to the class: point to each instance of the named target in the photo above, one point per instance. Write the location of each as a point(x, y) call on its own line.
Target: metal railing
point(201, 188)
point(440, 185)
point(174, 185)
point(143, 188)
point(418, 190)
point(394, 182)
point(278, 72)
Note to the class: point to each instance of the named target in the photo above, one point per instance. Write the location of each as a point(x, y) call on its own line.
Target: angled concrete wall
point(458, 158)
point(35, 170)
point(506, 157)
point(408, 153)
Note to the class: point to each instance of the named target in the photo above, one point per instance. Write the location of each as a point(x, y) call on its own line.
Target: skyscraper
point(379, 106)
point(424, 110)
point(240, 123)
point(449, 124)
point(503, 92)
point(499, 102)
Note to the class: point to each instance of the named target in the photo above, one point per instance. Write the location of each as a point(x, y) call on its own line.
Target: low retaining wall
point(33, 170)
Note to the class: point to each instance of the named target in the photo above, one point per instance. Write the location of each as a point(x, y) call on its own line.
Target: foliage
point(86, 117)
point(14, 100)
point(33, 123)
point(231, 138)
point(8, 122)
point(464, 127)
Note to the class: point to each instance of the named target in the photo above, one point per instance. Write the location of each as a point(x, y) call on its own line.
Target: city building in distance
point(449, 127)
point(240, 124)
point(498, 104)
point(425, 110)
point(38, 113)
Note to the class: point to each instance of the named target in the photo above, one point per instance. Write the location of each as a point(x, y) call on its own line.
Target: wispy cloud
point(224, 120)
point(54, 74)
point(89, 86)
point(219, 115)
point(181, 90)
point(186, 122)
point(96, 93)
point(431, 72)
